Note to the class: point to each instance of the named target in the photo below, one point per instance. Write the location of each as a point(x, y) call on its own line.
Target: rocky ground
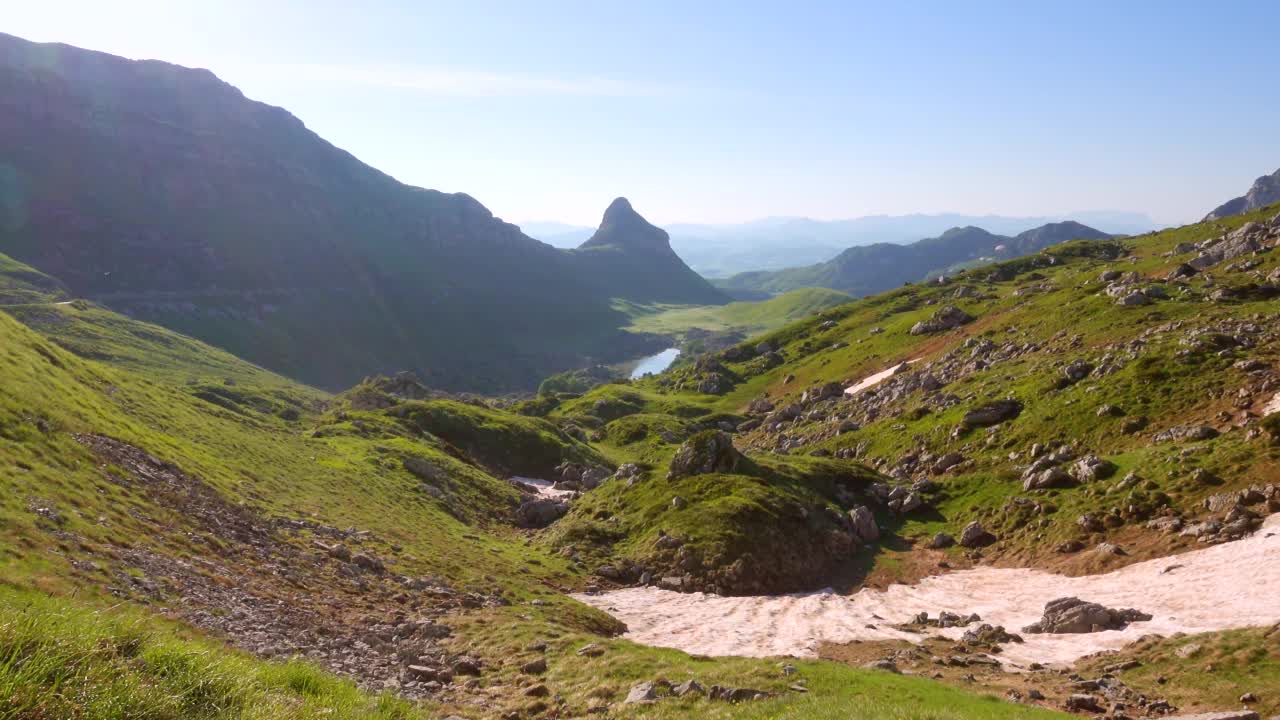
point(283, 588)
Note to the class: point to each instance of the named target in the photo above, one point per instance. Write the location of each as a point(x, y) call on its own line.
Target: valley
point(282, 437)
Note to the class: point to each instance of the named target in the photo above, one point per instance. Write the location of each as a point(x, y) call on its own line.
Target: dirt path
point(1225, 586)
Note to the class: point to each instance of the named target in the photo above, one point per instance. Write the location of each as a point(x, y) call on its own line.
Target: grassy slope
point(21, 284)
point(157, 390)
point(1166, 389)
point(748, 317)
point(1070, 319)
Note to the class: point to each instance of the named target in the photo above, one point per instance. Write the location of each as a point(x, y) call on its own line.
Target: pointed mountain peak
point(620, 206)
point(623, 227)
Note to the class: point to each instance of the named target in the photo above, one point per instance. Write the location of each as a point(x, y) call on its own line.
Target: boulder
point(1092, 467)
point(540, 512)
point(710, 451)
point(941, 540)
point(992, 413)
point(946, 462)
point(1186, 433)
point(946, 318)
point(593, 476)
point(974, 536)
point(689, 687)
point(1077, 370)
point(863, 524)
point(641, 693)
point(1133, 299)
point(1054, 477)
point(1072, 615)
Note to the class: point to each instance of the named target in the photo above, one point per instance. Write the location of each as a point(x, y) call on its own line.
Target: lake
point(655, 364)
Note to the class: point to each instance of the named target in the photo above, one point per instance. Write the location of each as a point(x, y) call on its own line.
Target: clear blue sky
point(729, 111)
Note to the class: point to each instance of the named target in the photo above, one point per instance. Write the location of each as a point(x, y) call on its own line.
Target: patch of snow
point(871, 381)
point(1220, 587)
point(545, 488)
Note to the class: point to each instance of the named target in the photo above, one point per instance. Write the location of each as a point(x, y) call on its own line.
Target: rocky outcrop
point(863, 523)
point(540, 512)
point(992, 413)
point(710, 451)
point(1265, 191)
point(1073, 615)
point(946, 318)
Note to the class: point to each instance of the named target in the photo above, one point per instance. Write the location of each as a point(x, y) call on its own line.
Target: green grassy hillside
point(147, 474)
point(751, 318)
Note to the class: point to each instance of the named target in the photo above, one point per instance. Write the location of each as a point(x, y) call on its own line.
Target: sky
point(721, 112)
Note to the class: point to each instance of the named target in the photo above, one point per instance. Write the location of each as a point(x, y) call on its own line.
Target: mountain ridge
point(1264, 191)
point(867, 269)
point(166, 193)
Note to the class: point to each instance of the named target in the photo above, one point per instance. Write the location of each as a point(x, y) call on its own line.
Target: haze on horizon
point(727, 113)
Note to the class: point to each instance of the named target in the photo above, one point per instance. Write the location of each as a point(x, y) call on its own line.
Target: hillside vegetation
point(148, 469)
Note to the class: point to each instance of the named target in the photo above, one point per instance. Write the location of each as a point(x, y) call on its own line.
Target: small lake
point(655, 364)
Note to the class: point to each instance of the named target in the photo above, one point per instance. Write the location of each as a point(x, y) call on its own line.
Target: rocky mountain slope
point(165, 193)
point(868, 269)
point(1264, 191)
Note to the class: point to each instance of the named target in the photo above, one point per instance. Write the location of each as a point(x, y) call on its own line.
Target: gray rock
point(974, 535)
point(1133, 299)
point(689, 687)
point(992, 413)
point(946, 318)
point(1186, 433)
point(1072, 615)
point(641, 693)
point(1053, 477)
point(941, 540)
point(863, 524)
point(710, 451)
point(540, 512)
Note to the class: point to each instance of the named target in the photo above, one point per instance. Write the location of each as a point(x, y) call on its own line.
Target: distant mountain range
point(1265, 191)
point(719, 251)
point(162, 192)
point(869, 269)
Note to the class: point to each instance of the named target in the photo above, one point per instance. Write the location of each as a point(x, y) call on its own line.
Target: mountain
point(869, 269)
point(629, 258)
point(724, 250)
point(164, 193)
point(1265, 191)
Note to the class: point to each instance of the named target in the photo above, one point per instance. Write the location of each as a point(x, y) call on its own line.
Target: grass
point(750, 318)
point(1055, 308)
point(1205, 672)
point(73, 661)
point(288, 450)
